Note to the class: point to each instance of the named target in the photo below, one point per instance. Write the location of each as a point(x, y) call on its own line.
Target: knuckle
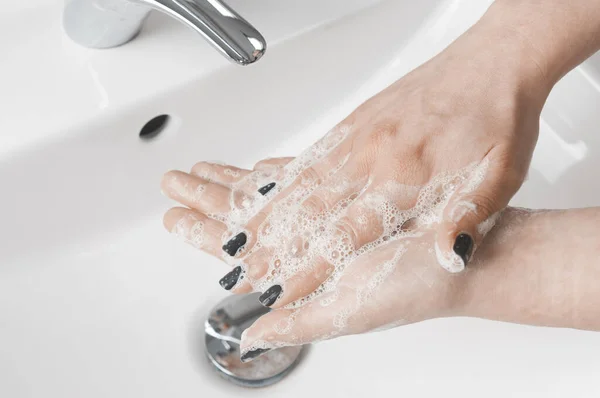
point(383, 133)
point(311, 175)
point(255, 268)
point(315, 205)
point(349, 233)
point(415, 149)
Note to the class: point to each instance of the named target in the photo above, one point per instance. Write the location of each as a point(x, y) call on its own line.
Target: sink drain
point(223, 330)
point(154, 127)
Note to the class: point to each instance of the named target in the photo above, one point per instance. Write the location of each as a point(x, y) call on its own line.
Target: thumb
point(473, 210)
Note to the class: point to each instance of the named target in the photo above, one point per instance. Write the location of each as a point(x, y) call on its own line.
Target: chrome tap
point(111, 23)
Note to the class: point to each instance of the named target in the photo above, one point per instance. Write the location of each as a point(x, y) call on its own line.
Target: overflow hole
point(154, 127)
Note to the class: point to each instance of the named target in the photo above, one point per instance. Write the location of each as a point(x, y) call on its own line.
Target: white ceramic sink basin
point(96, 300)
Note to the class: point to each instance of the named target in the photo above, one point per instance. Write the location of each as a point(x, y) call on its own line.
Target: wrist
point(487, 288)
point(521, 273)
point(509, 61)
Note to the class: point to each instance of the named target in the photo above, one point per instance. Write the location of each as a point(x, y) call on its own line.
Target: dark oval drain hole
point(154, 127)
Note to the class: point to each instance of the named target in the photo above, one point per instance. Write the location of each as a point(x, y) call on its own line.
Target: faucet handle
point(103, 23)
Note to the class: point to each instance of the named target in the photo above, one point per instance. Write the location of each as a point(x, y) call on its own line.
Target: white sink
point(96, 300)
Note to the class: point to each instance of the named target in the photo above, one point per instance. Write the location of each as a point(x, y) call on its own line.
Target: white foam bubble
point(190, 229)
point(328, 235)
point(476, 177)
point(231, 173)
point(449, 260)
point(461, 209)
point(366, 291)
point(299, 238)
point(484, 227)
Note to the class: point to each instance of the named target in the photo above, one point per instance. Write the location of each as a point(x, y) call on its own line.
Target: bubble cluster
point(485, 226)
point(316, 215)
point(190, 229)
point(231, 173)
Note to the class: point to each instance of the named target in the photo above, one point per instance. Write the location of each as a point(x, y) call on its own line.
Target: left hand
point(397, 283)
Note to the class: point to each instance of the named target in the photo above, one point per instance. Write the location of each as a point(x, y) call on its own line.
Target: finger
point(298, 178)
point(263, 268)
point(284, 268)
point(344, 224)
point(285, 236)
point(202, 195)
point(382, 213)
point(251, 272)
point(269, 171)
point(196, 229)
point(313, 165)
point(269, 163)
point(472, 211)
point(260, 179)
point(236, 281)
point(227, 174)
point(284, 191)
point(300, 284)
point(287, 327)
point(304, 268)
point(369, 294)
point(219, 173)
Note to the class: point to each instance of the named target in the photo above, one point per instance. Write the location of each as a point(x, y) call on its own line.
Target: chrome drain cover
point(223, 330)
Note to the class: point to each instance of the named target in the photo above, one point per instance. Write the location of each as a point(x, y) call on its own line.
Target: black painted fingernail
point(250, 355)
point(228, 281)
point(463, 246)
point(265, 190)
point(270, 296)
point(233, 245)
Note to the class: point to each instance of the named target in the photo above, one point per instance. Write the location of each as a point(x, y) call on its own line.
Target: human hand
point(325, 289)
point(346, 235)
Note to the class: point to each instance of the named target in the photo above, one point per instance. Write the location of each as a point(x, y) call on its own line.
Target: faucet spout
point(228, 32)
point(110, 23)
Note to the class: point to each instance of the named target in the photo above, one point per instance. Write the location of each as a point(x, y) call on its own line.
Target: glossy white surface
point(96, 300)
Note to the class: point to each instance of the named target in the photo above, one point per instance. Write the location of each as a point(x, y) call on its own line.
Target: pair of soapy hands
point(367, 229)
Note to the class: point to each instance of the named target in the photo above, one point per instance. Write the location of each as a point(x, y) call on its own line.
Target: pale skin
point(478, 102)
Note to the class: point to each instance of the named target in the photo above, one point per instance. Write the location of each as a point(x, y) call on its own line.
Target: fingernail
point(233, 245)
point(271, 295)
point(265, 190)
point(250, 355)
point(228, 281)
point(463, 246)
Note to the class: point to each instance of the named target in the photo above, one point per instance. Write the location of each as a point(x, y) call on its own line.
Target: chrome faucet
point(111, 23)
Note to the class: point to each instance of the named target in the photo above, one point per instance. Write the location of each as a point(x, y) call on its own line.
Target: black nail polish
point(250, 355)
point(233, 245)
point(270, 296)
point(463, 246)
point(265, 190)
point(229, 280)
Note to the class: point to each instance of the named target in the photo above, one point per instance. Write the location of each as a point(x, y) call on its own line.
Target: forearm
point(559, 33)
point(538, 268)
point(520, 48)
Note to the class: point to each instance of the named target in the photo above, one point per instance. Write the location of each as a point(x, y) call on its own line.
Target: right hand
point(471, 112)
